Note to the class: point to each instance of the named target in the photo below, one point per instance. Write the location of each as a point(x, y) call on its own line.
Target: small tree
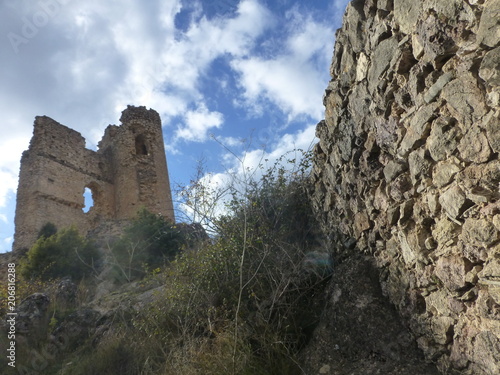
point(149, 240)
point(64, 253)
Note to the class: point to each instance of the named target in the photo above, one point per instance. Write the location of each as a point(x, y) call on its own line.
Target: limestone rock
point(442, 328)
point(452, 270)
point(442, 141)
point(406, 14)
point(361, 222)
point(394, 169)
point(436, 39)
point(465, 100)
point(362, 67)
point(489, 26)
point(445, 230)
point(419, 165)
point(486, 348)
point(445, 170)
point(479, 232)
point(418, 128)
point(493, 131)
point(436, 303)
point(446, 9)
point(382, 57)
point(452, 201)
point(490, 67)
point(474, 146)
point(436, 88)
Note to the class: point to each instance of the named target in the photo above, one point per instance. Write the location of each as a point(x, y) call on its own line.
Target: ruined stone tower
point(126, 173)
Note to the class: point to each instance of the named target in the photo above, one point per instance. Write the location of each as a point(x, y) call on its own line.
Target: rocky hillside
point(407, 169)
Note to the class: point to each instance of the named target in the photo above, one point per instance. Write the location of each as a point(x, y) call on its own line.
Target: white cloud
point(198, 123)
point(277, 81)
point(295, 78)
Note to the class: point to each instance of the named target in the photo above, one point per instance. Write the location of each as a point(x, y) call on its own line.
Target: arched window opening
point(140, 145)
point(88, 197)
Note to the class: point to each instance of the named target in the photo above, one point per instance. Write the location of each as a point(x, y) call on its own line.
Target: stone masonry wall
point(407, 167)
point(128, 171)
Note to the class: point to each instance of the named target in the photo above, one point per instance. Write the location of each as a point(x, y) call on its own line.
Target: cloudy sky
point(250, 73)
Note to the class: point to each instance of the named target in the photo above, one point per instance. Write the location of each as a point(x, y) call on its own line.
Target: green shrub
point(148, 242)
point(241, 304)
point(65, 253)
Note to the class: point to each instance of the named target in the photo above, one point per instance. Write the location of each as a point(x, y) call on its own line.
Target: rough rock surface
point(360, 333)
point(407, 169)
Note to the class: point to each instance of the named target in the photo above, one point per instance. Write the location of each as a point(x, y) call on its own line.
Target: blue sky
point(250, 73)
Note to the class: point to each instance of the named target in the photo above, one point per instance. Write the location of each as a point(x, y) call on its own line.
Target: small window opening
point(140, 145)
point(88, 199)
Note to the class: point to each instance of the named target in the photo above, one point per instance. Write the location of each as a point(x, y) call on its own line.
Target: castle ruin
point(127, 172)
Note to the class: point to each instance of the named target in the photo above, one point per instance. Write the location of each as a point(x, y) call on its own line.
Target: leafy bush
point(65, 253)
point(149, 241)
point(243, 303)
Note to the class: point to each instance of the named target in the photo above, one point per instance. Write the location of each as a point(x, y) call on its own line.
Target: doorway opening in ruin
point(88, 197)
point(140, 145)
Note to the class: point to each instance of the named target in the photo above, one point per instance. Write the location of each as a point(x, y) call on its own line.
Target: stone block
point(444, 171)
point(489, 70)
point(485, 355)
point(442, 329)
point(362, 67)
point(432, 200)
point(474, 146)
point(352, 27)
point(492, 125)
point(452, 201)
point(406, 14)
point(418, 128)
point(381, 58)
point(443, 139)
point(417, 47)
point(488, 33)
point(451, 271)
point(436, 88)
point(419, 165)
point(361, 222)
point(436, 39)
point(479, 232)
point(393, 169)
point(465, 100)
point(446, 9)
point(399, 187)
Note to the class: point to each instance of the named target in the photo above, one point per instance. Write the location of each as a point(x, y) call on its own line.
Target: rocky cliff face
point(407, 167)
